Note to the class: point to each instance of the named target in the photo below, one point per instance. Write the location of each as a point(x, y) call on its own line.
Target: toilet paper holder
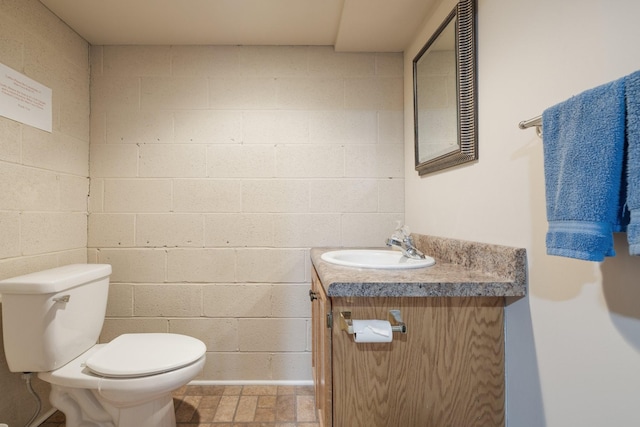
point(395, 318)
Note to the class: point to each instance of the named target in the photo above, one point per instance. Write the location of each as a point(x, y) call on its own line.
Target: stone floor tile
point(286, 408)
point(286, 389)
point(246, 409)
point(307, 390)
point(265, 415)
point(205, 390)
point(267, 401)
point(260, 390)
point(305, 408)
point(226, 408)
point(232, 390)
point(187, 408)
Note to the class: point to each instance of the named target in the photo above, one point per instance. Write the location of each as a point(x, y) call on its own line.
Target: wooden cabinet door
point(321, 351)
point(447, 371)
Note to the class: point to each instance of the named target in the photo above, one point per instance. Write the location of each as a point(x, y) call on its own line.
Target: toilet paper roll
point(372, 331)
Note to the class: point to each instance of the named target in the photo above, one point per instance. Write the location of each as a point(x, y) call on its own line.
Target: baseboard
point(252, 382)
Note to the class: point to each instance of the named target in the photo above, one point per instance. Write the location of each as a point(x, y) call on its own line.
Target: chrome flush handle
point(63, 298)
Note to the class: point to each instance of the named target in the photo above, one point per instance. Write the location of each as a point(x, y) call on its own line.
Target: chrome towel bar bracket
point(536, 121)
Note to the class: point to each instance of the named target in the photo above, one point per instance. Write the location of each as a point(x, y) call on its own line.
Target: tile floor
point(237, 406)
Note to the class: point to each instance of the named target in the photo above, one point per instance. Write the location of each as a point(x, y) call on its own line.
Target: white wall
point(214, 169)
point(573, 345)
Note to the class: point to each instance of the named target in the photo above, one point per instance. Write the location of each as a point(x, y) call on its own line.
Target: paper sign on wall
point(24, 100)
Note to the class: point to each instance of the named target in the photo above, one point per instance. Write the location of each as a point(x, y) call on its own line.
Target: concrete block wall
point(44, 177)
point(213, 171)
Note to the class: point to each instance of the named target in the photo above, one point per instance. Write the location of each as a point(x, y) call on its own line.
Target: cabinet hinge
point(329, 320)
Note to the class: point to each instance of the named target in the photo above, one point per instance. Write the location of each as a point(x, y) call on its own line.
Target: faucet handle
point(415, 252)
point(401, 232)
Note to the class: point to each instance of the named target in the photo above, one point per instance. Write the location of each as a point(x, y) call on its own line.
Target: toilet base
point(85, 408)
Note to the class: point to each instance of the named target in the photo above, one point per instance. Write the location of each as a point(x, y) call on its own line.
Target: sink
point(375, 258)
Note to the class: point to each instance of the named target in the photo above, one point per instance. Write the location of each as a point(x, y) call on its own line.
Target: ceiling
point(349, 25)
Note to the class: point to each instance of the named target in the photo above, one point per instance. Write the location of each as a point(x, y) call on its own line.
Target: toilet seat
point(139, 355)
point(126, 391)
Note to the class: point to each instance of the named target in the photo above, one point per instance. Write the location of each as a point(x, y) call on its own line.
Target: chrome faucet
point(403, 240)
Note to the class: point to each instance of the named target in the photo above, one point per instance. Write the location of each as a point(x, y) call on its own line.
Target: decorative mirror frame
point(467, 150)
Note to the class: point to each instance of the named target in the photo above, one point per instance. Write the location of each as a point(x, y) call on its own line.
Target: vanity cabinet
point(447, 370)
point(321, 319)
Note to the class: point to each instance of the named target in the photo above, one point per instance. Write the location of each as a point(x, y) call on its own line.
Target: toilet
point(51, 323)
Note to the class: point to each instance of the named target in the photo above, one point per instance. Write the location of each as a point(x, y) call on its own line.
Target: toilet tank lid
point(55, 279)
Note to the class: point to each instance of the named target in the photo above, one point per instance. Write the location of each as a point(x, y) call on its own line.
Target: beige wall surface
point(44, 177)
point(214, 169)
point(573, 345)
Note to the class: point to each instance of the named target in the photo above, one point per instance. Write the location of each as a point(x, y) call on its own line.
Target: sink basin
point(375, 258)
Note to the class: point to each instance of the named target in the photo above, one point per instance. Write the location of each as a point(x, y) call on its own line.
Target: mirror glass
point(444, 94)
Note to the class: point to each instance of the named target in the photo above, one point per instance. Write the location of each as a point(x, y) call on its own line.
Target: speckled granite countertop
point(462, 269)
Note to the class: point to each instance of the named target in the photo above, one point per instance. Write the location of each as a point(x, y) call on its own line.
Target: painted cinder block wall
point(215, 169)
point(44, 177)
point(268, 191)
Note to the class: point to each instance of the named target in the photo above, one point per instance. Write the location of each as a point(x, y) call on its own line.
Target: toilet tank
point(52, 316)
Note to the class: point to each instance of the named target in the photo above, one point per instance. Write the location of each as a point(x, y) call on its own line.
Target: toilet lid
point(136, 355)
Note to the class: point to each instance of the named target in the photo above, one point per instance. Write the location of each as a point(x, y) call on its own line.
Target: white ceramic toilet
point(51, 322)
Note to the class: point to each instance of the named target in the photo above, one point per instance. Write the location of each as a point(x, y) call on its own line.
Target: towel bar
point(536, 121)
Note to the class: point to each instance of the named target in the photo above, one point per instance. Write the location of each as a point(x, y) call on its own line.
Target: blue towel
point(633, 160)
point(584, 140)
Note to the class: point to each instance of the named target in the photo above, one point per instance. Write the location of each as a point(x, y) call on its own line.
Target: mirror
point(444, 94)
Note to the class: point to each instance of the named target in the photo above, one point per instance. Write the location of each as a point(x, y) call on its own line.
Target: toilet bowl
point(51, 322)
point(130, 394)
